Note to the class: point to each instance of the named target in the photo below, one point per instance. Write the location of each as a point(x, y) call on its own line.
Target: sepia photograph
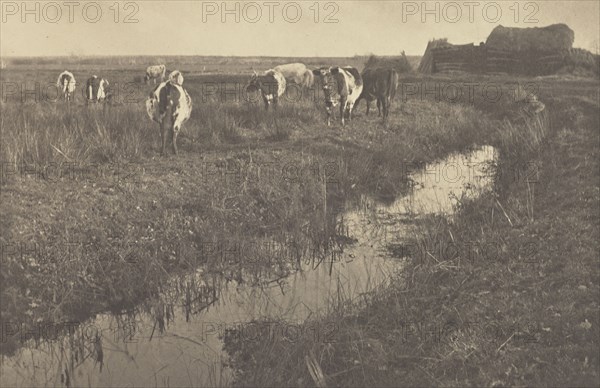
point(352, 193)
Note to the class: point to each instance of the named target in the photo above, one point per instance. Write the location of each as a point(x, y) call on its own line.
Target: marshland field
point(454, 245)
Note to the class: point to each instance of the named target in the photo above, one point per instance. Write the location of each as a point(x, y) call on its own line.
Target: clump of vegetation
point(400, 63)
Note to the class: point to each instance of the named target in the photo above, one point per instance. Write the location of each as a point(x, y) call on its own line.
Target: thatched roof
point(551, 38)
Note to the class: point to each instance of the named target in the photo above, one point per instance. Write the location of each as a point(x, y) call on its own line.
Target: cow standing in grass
point(271, 85)
point(170, 105)
point(66, 85)
point(341, 85)
point(96, 89)
point(379, 84)
point(155, 72)
point(297, 74)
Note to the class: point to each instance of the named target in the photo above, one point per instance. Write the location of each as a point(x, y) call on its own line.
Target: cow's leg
point(175, 131)
point(349, 109)
point(381, 107)
point(164, 132)
point(275, 99)
point(368, 105)
point(388, 104)
point(343, 110)
point(169, 142)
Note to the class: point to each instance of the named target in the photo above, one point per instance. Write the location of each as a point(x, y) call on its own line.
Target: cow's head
point(267, 84)
point(327, 79)
point(176, 77)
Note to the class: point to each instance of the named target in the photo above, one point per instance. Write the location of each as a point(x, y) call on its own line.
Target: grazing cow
point(155, 72)
point(96, 89)
point(379, 84)
point(66, 84)
point(170, 105)
point(271, 85)
point(296, 73)
point(341, 85)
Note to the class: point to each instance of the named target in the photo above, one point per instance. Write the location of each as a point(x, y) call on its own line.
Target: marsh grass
point(132, 235)
point(492, 310)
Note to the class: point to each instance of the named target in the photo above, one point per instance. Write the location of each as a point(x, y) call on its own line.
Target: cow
point(96, 89)
point(379, 84)
point(170, 105)
point(66, 85)
point(271, 84)
point(341, 85)
point(155, 72)
point(297, 73)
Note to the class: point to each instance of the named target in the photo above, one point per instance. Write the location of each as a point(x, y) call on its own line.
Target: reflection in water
point(174, 339)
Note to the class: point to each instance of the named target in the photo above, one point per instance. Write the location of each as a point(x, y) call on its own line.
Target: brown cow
point(379, 84)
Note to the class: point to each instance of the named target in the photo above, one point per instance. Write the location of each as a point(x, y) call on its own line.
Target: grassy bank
point(505, 293)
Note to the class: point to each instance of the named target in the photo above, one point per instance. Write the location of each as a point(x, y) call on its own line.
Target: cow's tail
point(169, 118)
point(61, 82)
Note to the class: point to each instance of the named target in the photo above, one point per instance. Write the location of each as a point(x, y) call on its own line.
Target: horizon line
point(199, 55)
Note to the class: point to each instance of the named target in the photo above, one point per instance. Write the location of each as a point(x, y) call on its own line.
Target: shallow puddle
point(175, 340)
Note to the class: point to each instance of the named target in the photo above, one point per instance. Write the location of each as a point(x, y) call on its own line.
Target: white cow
point(66, 84)
point(271, 85)
point(341, 85)
point(155, 72)
point(297, 73)
point(170, 105)
point(96, 89)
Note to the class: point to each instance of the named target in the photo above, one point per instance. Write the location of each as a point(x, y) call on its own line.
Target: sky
point(273, 28)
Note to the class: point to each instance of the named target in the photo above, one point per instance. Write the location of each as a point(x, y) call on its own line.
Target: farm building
point(511, 50)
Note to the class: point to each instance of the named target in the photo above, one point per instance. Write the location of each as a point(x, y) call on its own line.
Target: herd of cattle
point(170, 105)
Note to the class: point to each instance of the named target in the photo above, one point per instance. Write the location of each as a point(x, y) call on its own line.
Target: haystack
point(556, 37)
point(426, 64)
point(581, 62)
